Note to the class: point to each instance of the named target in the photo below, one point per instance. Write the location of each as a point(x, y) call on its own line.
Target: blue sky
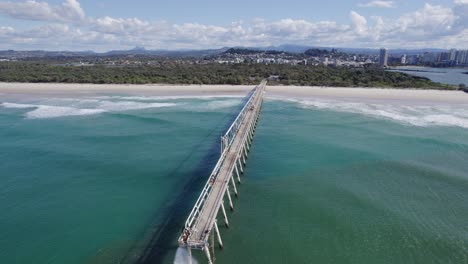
point(117, 24)
point(224, 12)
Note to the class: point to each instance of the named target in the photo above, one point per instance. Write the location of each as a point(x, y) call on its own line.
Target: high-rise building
point(383, 57)
point(444, 57)
point(403, 59)
point(452, 54)
point(412, 59)
point(461, 56)
point(429, 58)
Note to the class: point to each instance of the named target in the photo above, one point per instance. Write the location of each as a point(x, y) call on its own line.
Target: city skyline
point(108, 25)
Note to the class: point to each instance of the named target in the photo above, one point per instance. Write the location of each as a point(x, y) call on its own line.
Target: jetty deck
point(235, 145)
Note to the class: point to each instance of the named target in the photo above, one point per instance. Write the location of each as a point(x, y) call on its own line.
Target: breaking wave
point(48, 111)
point(130, 105)
point(19, 106)
point(417, 115)
point(169, 97)
point(93, 107)
point(45, 111)
point(61, 107)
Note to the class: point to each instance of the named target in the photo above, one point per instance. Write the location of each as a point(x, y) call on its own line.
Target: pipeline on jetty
point(235, 145)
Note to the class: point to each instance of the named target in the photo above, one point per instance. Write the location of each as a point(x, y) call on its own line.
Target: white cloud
point(119, 25)
point(69, 11)
point(68, 27)
point(6, 30)
point(430, 21)
point(359, 23)
point(380, 3)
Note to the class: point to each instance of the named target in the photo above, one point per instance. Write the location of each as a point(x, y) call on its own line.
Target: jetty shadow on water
point(163, 234)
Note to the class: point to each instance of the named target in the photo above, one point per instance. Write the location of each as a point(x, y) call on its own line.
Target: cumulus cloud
point(429, 21)
point(359, 23)
point(69, 11)
point(120, 26)
point(380, 3)
point(66, 26)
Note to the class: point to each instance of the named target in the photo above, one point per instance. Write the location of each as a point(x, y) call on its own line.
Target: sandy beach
point(273, 91)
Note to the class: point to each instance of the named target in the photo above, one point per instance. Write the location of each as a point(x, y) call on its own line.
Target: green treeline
point(182, 73)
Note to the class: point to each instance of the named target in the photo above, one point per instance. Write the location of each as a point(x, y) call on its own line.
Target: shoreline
point(157, 89)
point(356, 93)
point(429, 67)
point(414, 70)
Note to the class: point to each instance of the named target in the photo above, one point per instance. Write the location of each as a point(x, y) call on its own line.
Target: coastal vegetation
point(171, 72)
point(463, 87)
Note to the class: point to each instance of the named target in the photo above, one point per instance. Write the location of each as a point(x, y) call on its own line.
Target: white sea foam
point(53, 108)
point(130, 105)
point(447, 120)
point(72, 102)
point(108, 105)
point(46, 111)
point(417, 115)
point(168, 97)
point(19, 106)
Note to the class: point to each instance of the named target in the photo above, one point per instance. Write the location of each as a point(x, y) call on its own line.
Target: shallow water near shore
point(94, 179)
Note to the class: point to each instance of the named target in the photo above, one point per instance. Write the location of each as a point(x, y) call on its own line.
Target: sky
point(102, 25)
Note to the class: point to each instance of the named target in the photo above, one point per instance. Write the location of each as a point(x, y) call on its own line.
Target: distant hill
point(167, 53)
point(290, 48)
point(136, 51)
point(205, 52)
point(247, 51)
point(42, 53)
point(243, 51)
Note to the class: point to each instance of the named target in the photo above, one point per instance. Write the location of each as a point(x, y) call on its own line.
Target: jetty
point(202, 223)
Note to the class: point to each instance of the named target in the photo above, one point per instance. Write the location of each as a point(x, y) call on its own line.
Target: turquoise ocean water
point(111, 178)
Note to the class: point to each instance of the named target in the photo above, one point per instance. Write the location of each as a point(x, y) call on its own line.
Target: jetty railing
point(202, 218)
